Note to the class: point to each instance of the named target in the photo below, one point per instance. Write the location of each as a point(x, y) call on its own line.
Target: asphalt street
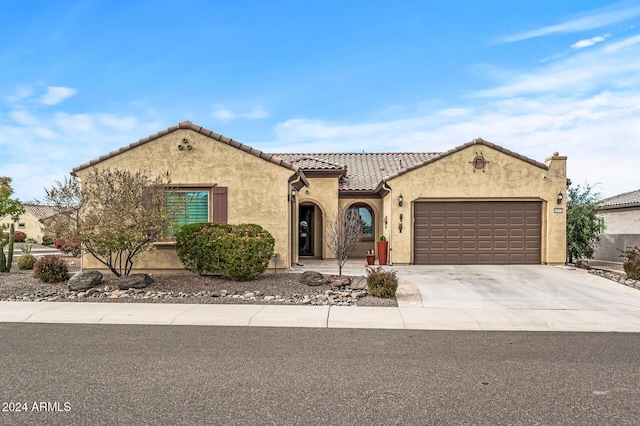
point(167, 375)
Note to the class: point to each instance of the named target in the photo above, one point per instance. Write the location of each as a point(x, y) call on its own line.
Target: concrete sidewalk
point(320, 316)
point(611, 307)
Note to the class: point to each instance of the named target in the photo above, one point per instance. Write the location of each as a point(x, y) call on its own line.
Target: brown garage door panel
point(504, 232)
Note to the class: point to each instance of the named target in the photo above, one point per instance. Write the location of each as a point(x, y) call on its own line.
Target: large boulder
point(312, 278)
point(126, 282)
point(84, 280)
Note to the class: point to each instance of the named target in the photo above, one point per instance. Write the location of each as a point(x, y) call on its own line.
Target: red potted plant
point(371, 257)
point(383, 249)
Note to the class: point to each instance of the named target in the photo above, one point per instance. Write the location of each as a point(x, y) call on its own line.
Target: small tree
point(66, 197)
point(583, 225)
point(117, 214)
point(12, 208)
point(344, 233)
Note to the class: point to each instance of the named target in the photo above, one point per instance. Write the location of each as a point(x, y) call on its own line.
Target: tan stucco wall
point(32, 226)
point(452, 178)
point(257, 189)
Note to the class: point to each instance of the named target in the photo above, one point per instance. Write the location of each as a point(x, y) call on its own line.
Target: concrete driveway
point(517, 287)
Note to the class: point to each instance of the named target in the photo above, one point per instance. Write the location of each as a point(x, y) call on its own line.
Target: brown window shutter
point(220, 204)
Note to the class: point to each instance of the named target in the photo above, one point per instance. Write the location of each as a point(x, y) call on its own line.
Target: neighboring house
point(33, 221)
point(476, 203)
point(620, 223)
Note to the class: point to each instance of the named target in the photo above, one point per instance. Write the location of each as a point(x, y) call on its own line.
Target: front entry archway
point(309, 230)
point(305, 231)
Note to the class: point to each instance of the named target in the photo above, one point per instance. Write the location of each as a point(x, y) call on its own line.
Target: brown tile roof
point(202, 131)
point(367, 171)
point(364, 171)
point(40, 211)
point(312, 162)
point(627, 199)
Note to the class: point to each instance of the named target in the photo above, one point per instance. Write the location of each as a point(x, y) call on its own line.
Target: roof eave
point(199, 129)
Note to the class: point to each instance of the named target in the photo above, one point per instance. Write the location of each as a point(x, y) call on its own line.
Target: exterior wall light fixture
point(560, 197)
point(400, 200)
point(292, 196)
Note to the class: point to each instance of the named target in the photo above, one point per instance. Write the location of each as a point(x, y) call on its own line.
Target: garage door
point(477, 233)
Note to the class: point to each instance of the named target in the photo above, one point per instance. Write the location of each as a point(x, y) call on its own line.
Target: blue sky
point(79, 79)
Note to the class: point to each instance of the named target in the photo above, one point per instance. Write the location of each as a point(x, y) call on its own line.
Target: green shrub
point(236, 252)
point(631, 264)
point(381, 283)
point(26, 261)
point(47, 240)
point(51, 269)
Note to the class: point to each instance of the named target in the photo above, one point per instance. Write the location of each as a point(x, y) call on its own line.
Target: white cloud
point(22, 117)
point(587, 70)
point(76, 123)
point(593, 131)
point(589, 42)
point(223, 113)
point(56, 94)
point(628, 42)
point(117, 123)
point(21, 92)
point(594, 19)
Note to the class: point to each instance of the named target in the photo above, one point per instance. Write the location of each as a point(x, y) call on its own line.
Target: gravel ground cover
point(274, 289)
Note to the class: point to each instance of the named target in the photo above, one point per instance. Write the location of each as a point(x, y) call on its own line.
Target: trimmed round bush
point(382, 283)
point(47, 240)
point(51, 269)
point(26, 261)
point(236, 252)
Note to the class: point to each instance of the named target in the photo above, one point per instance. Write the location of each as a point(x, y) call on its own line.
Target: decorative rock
point(134, 281)
point(312, 278)
point(84, 280)
point(359, 283)
point(339, 281)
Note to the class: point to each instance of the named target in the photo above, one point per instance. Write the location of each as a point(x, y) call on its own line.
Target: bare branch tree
point(344, 233)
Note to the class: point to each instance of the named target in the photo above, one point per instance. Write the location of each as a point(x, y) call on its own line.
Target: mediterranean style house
point(620, 223)
point(32, 222)
point(477, 203)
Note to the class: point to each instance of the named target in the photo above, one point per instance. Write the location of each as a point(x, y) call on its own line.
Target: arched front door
point(306, 230)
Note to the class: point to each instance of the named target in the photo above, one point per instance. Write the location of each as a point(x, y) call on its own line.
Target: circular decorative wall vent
point(479, 162)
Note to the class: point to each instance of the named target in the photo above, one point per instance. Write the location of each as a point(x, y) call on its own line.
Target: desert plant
point(25, 248)
point(117, 214)
point(51, 269)
point(382, 238)
point(631, 263)
point(381, 283)
point(47, 240)
point(236, 252)
point(343, 235)
point(68, 245)
point(26, 261)
point(5, 262)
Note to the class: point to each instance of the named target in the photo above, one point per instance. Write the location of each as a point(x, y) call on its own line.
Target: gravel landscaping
point(617, 277)
point(273, 289)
